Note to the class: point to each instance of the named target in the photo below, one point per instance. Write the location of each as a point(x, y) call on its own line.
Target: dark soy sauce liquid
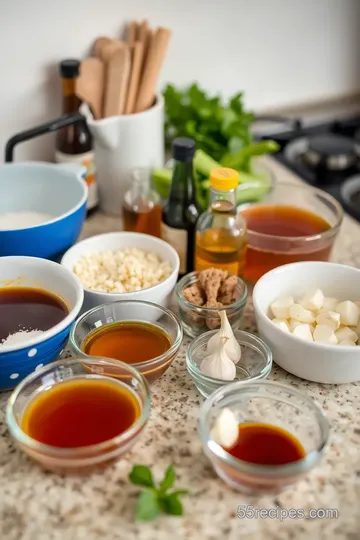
point(27, 308)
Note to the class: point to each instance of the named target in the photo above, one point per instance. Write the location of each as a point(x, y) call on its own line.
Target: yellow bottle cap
point(224, 179)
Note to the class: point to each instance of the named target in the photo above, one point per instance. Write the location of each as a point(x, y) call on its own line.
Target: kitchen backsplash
point(278, 52)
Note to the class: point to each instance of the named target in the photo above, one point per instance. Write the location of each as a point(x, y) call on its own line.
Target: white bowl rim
point(128, 234)
point(280, 270)
point(37, 164)
point(70, 317)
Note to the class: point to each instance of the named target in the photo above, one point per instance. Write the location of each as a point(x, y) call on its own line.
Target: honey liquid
point(81, 412)
point(145, 219)
point(220, 248)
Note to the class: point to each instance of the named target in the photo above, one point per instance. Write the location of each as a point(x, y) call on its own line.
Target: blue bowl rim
point(62, 325)
point(44, 165)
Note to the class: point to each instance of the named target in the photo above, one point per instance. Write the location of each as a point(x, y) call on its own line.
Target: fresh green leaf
point(172, 505)
point(148, 506)
point(168, 480)
point(141, 475)
point(153, 500)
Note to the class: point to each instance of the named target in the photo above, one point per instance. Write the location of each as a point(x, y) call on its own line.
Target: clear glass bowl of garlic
point(220, 356)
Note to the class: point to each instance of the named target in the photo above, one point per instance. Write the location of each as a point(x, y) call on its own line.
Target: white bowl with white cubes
point(309, 314)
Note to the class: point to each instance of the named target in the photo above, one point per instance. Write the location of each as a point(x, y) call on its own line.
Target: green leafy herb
point(219, 129)
point(153, 500)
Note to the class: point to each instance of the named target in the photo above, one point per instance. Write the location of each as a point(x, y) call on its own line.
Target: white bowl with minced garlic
point(309, 314)
point(124, 266)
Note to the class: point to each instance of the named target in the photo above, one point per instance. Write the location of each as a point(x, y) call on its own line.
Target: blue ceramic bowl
point(17, 361)
point(57, 190)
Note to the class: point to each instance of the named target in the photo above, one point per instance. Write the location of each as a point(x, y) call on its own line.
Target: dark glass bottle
point(182, 210)
point(74, 143)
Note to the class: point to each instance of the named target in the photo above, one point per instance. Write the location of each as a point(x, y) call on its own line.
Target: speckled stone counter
point(35, 505)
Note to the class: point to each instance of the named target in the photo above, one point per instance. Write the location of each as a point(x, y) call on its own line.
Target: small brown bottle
point(74, 143)
point(141, 208)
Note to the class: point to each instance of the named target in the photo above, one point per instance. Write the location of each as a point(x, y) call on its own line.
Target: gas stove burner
point(328, 152)
point(331, 152)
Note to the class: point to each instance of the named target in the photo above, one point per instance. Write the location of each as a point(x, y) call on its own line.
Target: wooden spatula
point(137, 51)
point(117, 78)
point(90, 84)
point(99, 43)
point(155, 58)
point(132, 32)
point(109, 48)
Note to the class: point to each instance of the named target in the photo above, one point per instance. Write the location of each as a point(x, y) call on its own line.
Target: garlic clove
point(330, 318)
point(325, 334)
point(349, 313)
point(225, 430)
point(282, 324)
point(312, 300)
point(303, 331)
point(280, 307)
point(232, 346)
point(345, 332)
point(329, 303)
point(218, 365)
point(299, 313)
point(348, 343)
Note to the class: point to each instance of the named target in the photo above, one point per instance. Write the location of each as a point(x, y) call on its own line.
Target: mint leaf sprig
point(153, 500)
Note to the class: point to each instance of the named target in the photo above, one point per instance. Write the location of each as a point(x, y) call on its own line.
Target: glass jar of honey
point(141, 208)
point(221, 229)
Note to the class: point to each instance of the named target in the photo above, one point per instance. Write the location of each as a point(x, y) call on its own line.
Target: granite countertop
point(36, 505)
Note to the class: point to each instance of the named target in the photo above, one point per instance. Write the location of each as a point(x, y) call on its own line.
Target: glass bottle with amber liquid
point(74, 143)
point(141, 207)
point(221, 230)
point(182, 209)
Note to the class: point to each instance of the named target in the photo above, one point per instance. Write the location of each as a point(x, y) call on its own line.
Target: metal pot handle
point(48, 127)
point(293, 123)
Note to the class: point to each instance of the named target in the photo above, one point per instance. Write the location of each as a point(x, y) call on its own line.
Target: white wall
point(277, 51)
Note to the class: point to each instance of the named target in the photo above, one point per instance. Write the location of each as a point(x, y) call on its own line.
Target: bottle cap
point(224, 179)
point(183, 149)
point(70, 68)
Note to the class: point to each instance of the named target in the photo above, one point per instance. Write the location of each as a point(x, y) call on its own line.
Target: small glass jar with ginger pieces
point(202, 295)
point(221, 229)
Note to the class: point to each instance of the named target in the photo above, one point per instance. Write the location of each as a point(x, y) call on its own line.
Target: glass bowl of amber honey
point(281, 435)
point(139, 333)
point(294, 223)
point(73, 418)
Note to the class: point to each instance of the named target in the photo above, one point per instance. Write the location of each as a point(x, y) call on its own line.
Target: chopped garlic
point(298, 313)
point(319, 318)
point(349, 313)
point(312, 300)
point(330, 318)
point(345, 332)
point(324, 334)
point(225, 430)
point(303, 331)
point(280, 307)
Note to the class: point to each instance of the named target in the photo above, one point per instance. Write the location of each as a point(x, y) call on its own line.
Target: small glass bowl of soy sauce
point(99, 420)
point(290, 433)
